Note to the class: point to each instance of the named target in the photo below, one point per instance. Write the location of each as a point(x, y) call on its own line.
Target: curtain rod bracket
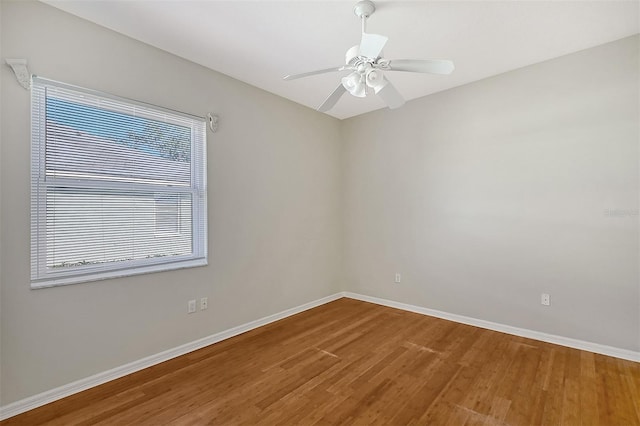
point(19, 67)
point(213, 122)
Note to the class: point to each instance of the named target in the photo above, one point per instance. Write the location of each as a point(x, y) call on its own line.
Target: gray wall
point(487, 195)
point(274, 209)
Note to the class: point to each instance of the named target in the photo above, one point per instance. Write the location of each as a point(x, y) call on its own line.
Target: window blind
point(118, 187)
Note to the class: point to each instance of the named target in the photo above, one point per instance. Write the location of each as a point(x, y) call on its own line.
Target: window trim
point(41, 275)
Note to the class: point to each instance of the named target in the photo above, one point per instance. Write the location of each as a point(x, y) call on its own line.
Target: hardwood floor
point(351, 362)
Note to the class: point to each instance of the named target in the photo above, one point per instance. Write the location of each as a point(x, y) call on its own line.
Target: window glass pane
point(88, 142)
point(168, 214)
point(91, 227)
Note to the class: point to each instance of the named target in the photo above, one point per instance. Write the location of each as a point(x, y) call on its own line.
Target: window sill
point(125, 272)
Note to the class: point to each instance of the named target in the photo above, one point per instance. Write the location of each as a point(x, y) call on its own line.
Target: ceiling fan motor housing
point(353, 58)
point(351, 54)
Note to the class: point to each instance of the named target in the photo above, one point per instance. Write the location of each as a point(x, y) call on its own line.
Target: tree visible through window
point(118, 187)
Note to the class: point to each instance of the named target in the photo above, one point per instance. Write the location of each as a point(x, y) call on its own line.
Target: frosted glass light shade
point(355, 85)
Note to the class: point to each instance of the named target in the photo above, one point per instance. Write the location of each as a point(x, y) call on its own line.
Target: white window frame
point(41, 275)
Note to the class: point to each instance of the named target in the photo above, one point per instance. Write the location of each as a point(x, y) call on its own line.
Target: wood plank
point(352, 362)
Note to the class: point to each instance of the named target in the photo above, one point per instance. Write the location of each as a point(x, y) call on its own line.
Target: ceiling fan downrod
point(363, 9)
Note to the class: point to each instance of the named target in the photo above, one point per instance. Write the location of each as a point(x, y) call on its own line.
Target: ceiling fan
point(367, 67)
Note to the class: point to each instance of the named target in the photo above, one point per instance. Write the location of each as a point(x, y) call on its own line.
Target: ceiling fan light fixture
point(379, 87)
point(351, 81)
point(375, 80)
point(355, 85)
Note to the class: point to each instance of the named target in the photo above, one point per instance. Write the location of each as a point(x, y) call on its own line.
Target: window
point(167, 209)
point(117, 187)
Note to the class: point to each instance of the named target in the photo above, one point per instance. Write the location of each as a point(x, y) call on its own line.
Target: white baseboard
point(52, 395)
point(522, 332)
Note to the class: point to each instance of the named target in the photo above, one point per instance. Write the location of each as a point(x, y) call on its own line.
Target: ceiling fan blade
point(371, 45)
point(332, 99)
point(307, 74)
point(390, 95)
point(432, 66)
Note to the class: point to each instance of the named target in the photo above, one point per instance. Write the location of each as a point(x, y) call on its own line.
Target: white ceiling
point(259, 42)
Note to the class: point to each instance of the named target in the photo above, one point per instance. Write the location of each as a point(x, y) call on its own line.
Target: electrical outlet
point(545, 299)
point(398, 277)
point(191, 306)
point(204, 303)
